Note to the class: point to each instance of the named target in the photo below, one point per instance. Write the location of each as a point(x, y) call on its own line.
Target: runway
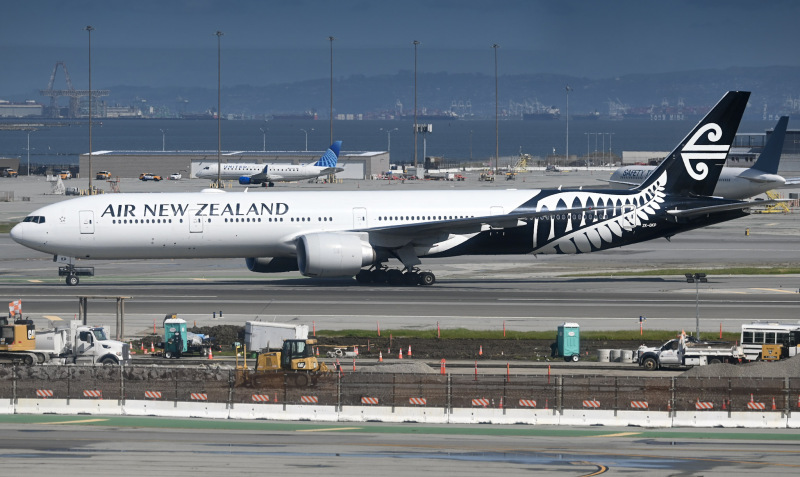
point(132, 446)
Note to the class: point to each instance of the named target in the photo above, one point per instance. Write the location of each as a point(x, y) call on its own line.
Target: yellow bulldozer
point(295, 365)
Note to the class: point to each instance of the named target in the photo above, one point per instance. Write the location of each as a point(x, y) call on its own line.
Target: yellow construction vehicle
point(295, 362)
point(18, 343)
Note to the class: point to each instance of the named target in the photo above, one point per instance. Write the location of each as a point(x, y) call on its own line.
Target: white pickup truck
point(687, 352)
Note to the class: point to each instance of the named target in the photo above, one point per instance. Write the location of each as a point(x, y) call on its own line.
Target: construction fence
point(558, 393)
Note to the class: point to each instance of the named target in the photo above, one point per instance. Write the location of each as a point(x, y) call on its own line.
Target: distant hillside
point(772, 86)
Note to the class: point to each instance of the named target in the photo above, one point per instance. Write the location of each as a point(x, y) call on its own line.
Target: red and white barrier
point(418, 401)
point(640, 405)
point(591, 403)
point(44, 393)
point(703, 406)
point(93, 393)
point(198, 396)
point(369, 400)
point(152, 394)
point(309, 399)
point(260, 397)
point(527, 403)
point(756, 406)
point(480, 402)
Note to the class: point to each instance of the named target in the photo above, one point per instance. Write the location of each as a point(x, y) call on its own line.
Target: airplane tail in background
point(770, 157)
point(331, 156)
point(694, 166)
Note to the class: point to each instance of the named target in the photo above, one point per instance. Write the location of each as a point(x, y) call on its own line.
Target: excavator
point(295, 364)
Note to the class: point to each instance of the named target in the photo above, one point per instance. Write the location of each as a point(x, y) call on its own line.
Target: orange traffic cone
point(210, 356)
point(480, 351)
point(380, 357)
point(773, 404)
point(141, 346)
point(400, 356)
point(409, 351)
point(152, 347)
point(356, 350)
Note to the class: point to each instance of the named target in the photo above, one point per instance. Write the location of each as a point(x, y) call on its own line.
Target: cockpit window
point(37, 219)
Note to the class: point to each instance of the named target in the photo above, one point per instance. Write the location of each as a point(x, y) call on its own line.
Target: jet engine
point(245, 180)
point(271, 265)
point(333, 255)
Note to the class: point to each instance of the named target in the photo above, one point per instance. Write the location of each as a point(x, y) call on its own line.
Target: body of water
point(456, 141)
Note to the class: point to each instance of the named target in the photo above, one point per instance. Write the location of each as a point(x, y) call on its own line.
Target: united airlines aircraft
point(355, 233)
point(734, 182)
point(248, 173)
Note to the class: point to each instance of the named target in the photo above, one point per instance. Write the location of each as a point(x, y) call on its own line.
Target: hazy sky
point(172, 42)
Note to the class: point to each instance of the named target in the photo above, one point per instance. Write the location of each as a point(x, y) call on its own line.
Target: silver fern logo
point(703, 152)
point(611, 217)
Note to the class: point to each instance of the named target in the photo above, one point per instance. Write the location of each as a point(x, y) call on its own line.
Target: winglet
point(770, 157)
point(331, 156)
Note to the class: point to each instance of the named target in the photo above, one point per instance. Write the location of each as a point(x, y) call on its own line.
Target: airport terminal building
point(130, 164)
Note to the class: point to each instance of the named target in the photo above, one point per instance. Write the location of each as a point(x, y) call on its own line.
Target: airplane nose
point(17, 233)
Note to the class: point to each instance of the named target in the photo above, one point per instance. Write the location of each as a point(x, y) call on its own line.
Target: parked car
point(175, 176)
point(102, 175)
point(65, 175)
point(149, 176)
point(8, 172)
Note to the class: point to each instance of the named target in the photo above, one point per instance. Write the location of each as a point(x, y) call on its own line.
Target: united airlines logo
point(699, 153)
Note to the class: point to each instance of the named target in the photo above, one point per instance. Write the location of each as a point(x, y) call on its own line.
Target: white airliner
point(734, 182)
point(266, 173)
point(354, 233)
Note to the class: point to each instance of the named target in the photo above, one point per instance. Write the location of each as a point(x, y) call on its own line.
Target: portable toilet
point(569, 341)
point(175, 342)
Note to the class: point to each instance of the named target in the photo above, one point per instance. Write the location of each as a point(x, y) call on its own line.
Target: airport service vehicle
point(733, 182)
point(103, 175)
point(250, 173)
point(72, 344)
point(175, 176)
point(260, 335)
point(8, 172)
point(295, 364)
point(65, 175)
point(355, 233)
point(757, 335)
point(149, 176)
point(686, 352)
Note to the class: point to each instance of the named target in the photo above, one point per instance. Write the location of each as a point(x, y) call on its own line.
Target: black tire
point(378, 275)
point(108, 361)
point(364, 276)
point(411, 278)
point(427, 279)
point(28, 360)
point(574, 358)
point(301, 380)
point(168, 354)
point(395, 277)
point(650, 364)
point(715, 361)
point(72, 280)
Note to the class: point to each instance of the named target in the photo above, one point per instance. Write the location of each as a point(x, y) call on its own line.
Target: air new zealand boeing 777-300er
point(354, 233)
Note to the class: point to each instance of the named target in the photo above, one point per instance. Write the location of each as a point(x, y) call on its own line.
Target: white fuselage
point(274, 172)
point(218, 224)
point(734, 182)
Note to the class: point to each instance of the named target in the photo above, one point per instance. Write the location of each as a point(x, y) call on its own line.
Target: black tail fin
point(694, 166)
point(770, 157)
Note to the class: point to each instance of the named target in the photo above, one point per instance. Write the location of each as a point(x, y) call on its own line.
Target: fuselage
point(733, 183)
point(266, 171)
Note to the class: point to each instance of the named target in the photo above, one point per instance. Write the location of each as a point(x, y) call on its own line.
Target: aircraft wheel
point(395, 277)
point(72, 280)
point(427, 279)
point(364, 276)
point(411, 278)
point(378, 275)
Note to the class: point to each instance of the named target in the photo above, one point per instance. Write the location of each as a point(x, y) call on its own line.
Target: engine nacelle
point(245, 180)
point(271, 265)
point(333, 254)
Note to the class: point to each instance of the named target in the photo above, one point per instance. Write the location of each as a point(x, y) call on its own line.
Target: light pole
point(90, 30)
point(567, 149)
point(219, 108)
point(29, 153)
point(697, 278)
point(264, 132)
point(587, 148)
point(496, 114)
point(330, 38)
point(163, 138)
point(389, 138)
point(307, 137)
point(416, 43)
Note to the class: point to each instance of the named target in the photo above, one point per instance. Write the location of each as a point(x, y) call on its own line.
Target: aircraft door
point(86, 218)
point(630, 219)
point(359, 217)
point(195, 222)
point(496, 210)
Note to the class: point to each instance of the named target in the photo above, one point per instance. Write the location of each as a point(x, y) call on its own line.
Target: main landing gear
point(395, 277)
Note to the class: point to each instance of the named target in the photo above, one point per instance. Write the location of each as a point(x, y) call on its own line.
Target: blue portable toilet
point(569, 341)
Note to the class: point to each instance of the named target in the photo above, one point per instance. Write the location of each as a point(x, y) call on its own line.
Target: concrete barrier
point(614, 355)
point(767, 419)
point(627, 356)
point(604, 355)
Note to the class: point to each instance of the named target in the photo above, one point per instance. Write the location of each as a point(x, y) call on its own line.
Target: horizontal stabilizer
point(722, 208)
